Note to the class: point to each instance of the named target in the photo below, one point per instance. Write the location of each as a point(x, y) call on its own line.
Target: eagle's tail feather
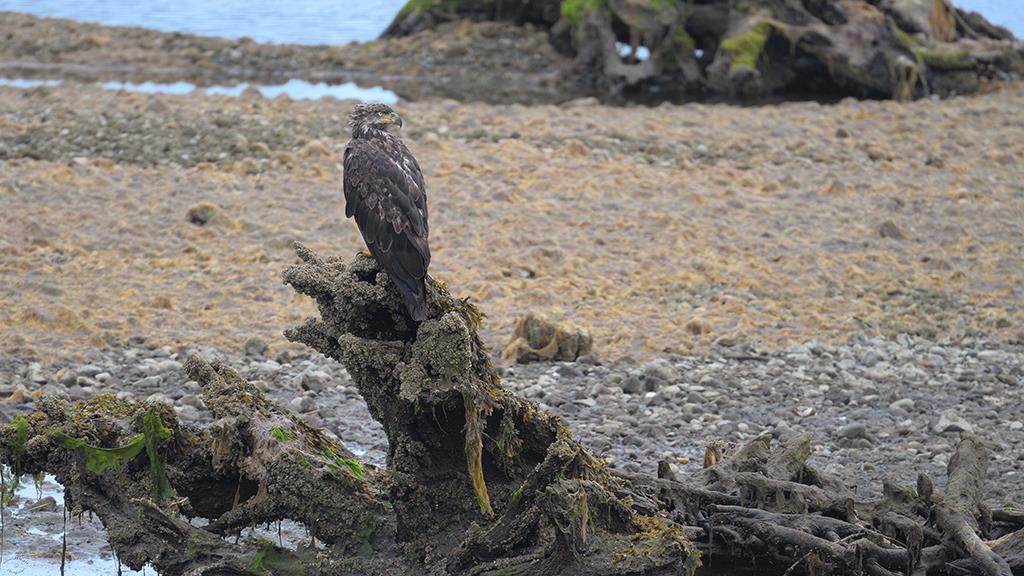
point(414, 294)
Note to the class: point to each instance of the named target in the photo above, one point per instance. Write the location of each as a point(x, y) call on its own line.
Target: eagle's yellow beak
point(392, 119)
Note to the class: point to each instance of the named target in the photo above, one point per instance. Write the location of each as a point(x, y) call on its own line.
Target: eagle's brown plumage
point(384, 191)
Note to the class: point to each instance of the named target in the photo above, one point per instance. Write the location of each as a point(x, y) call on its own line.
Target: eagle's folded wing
point(388, 203)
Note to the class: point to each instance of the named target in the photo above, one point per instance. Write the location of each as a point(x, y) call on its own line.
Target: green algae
point(945, 60)
point(746, 47)
point(270, 559)
point(281, 434)
point(99, 460)
point(155, 433)
point(337, 463)
point(575, 11)
point(19, 441)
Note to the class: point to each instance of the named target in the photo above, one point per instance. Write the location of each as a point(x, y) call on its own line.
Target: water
point(294, 89)
point(14, 565)
point(306, 21)
point(298, 21)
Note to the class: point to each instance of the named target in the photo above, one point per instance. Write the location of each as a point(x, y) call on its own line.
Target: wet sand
point(661, 229)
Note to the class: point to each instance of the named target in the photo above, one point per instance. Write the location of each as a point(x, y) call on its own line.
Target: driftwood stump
point(899, 49)
point(477, 481)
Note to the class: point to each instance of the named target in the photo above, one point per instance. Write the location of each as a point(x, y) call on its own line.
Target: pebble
point(853, 430)
point(872, 408)
point(951, 421)
point(148, 382)
point(159, 398)
point(905, 404)
point(302, 404)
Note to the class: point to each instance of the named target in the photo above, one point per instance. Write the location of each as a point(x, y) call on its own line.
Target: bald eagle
point(384, 191)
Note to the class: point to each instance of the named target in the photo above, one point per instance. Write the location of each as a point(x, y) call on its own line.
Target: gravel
point(874, 408)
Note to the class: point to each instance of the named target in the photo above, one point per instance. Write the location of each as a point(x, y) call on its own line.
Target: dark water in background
point(308, 21)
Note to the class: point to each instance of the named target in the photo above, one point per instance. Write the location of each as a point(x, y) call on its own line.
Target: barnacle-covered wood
point(143, 473)
point(480, 479)
point(898, 49)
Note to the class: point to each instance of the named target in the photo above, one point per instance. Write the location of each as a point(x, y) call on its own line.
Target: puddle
point(294, 89)
point(24, 83)
point(31, 538)
point(18, 536)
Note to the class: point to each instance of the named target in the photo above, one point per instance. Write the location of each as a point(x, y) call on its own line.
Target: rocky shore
point(490, 62)
point(875, 409)
point(851, 271)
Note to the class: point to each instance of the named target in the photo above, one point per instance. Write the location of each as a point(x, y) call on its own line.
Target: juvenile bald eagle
point(384, 191)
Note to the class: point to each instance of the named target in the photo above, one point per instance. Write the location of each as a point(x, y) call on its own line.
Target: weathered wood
point(898, 49)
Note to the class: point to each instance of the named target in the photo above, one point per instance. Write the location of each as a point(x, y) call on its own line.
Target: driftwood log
point(899, 49)
point(477, 480)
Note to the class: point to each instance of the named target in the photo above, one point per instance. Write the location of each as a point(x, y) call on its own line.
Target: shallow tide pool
point(294, 89)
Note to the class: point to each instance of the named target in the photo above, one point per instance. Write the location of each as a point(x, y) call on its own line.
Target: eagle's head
point(373, 117)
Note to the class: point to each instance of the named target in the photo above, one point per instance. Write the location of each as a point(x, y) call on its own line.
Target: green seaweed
point(270, 559)
point(98, 460)
point(904, 38)
point(19, 441)
point(281, 434)
point(336, 463)
point(575, 11)
point(424, 6)
point(944, 60)
point(746, 47)
point(155, 433)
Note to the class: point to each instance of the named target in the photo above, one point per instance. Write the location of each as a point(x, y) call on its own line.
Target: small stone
point(191, 400)
point(35, 373)
point(905, 404)
point(46, 504)
point(79, 392)
point(20, 395)
point(164, 366)
point(149, 382)
point(202, 214)
point(302, 404)
point(159, 398)
point(1016, 425)
point(65, 376)
point(852, 430)
point(89, 370)
point(255, 347)
point(889, 229)
point(315, 380)
point(862, 443)
point(632, 384)
point(950, 421)
point(586, 102)
point(187, 413)
point(659, 373)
